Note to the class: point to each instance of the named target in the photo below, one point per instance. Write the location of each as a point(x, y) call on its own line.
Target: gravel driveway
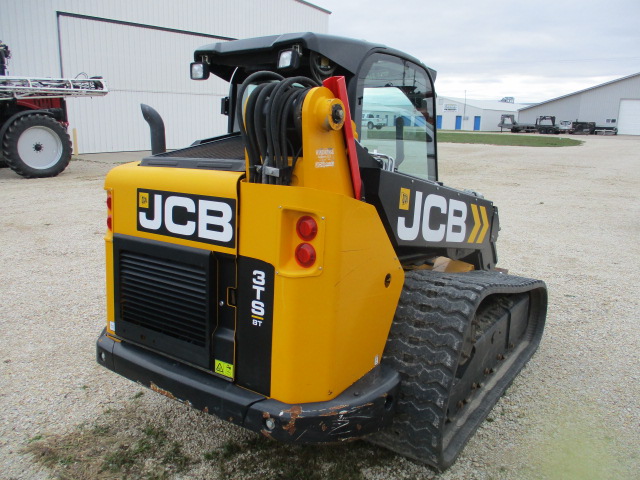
point(569, 216)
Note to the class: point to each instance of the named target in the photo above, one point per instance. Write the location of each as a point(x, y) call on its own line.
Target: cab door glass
point(397, 115)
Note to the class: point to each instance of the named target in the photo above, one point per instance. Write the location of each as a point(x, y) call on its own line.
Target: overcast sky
point(530, 50)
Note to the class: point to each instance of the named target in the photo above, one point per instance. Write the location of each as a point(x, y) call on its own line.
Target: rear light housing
point(302, 241)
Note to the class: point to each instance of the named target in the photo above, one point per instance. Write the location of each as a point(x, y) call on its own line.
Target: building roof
point(581, 91)
point(313, 5)
point(486, 104)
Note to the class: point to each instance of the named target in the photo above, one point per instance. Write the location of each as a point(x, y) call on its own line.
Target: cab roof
point(261, 53)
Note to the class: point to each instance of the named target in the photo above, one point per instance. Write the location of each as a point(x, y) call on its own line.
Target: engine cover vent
point(165, 297)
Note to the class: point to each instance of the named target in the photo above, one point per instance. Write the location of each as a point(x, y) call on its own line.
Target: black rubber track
point(435, 312)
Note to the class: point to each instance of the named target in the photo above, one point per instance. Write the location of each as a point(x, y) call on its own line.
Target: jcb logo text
point(435, 218)
point(194, 217)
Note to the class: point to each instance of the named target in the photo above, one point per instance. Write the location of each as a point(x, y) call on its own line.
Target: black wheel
point(370, 125)
point(378, 127)
point(36, 146)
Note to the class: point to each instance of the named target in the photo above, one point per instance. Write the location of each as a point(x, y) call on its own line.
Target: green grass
point(451, 136)
point(245, 459)
point(116, 446)
point(507, 138)
point(125, 444)
point(410, 133)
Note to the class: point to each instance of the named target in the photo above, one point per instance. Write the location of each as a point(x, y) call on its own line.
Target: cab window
point(396, 104)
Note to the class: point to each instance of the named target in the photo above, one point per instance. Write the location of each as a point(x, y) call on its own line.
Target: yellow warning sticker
point(143, 199)
point(405, 198)
point(223, 368)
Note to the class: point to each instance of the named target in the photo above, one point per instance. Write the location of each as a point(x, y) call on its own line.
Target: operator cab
point(382, 83)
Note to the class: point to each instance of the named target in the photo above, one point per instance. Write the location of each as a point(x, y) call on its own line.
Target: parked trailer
point(588, 128)
point(544, 124)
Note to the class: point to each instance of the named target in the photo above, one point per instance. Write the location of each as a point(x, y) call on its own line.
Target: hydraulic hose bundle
point(272, 111)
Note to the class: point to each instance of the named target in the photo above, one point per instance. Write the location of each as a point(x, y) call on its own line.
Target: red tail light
point(109, 212)
point(307, 228)
point(305, 255)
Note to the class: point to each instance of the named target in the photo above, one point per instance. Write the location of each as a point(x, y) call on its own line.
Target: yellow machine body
point(330, 320)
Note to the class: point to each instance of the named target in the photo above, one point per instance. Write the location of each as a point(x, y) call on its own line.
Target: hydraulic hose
point(252, 152)
point(272, 112)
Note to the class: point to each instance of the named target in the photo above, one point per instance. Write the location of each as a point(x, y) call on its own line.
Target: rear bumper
point(364, 408)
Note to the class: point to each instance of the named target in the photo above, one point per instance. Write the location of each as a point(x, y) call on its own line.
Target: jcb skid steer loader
point(306, 285)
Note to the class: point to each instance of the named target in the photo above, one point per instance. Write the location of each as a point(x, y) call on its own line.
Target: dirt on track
point(570, 216)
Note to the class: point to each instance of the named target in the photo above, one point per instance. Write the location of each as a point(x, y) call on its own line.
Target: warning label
point(325, 158)
point(223, 368)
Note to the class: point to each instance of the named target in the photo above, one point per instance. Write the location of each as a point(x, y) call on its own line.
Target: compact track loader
point(309, 278)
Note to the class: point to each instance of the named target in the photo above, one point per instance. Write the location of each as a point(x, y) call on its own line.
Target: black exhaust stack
point(153, 118)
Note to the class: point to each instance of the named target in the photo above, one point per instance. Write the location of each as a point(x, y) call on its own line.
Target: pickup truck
point(373, 121)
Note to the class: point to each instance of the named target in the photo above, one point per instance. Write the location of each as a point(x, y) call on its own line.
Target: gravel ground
point(569, 216)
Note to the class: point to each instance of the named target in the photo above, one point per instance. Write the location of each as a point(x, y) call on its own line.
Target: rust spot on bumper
point(295, 412)
point(162, 391)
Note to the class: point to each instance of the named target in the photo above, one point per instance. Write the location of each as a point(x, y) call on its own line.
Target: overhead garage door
point(629, 117)
point(140, 65)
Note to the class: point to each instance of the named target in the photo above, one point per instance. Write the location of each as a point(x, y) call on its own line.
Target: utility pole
point(464, 110)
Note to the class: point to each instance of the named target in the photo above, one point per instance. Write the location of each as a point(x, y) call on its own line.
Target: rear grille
point(164, 295)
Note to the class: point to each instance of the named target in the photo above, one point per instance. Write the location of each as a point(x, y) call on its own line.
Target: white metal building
point(468, 114)
point(612, 104)
point(143, 49)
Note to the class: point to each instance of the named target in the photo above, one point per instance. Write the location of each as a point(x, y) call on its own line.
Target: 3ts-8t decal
point(435, 218)
point(258, 281)
point(254, 324)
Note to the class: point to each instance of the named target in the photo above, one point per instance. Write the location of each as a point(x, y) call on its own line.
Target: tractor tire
point(36, 146)
point(439, 322)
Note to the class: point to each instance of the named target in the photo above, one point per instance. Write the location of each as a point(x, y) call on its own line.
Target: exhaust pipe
point(156, 125)
point(399, 140)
